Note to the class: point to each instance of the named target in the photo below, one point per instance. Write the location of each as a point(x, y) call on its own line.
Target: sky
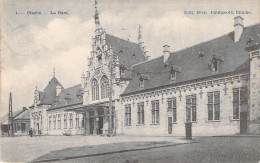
point(32, 45)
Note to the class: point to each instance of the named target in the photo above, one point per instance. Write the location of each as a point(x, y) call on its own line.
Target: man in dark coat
point(31, 132)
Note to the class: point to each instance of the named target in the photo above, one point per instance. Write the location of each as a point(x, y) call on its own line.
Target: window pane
point(235, 110)
point(188, 114)
point(193, 100)
point(157, 116)
point(210, 112)
point(174, 103)
point(153, 116)
point(235, 95)
point(217, 112)
point(243, 94)
point(193, 113)
point(169, 104)
point(210, 97)
point(174, 115)
point(216, 97)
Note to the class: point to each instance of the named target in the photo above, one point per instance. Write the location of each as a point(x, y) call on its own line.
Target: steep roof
point(233, 55)
point(50, 92)
point(129, 53)
point(68, 97)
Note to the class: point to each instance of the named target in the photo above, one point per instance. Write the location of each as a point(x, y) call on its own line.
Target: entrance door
point(91, 125)
point(100, 125)
point(243, 122)
point(169, 125)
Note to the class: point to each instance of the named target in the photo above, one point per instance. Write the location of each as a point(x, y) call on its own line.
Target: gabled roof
point(129, 53)
point(68, 97)
point(50, 92)
point(24, 115)
point(16, 114)
point(233, 55)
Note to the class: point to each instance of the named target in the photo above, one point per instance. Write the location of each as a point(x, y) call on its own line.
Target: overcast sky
point(33, 44)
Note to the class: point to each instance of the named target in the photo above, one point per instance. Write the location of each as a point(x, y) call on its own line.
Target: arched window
point(214, 64)
point(95, 90)
point(104, 87)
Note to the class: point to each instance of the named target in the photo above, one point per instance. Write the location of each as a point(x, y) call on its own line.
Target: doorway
point(100, 125)
point(243, 122)
point(91, 125)
point(169, 125)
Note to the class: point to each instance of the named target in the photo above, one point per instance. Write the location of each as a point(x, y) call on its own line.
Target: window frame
point(65, 119)
point(128, 115)
point(172, 108)
point(140, 113)
point(192, 106)
point(214, 103)
point(104, 87)
point(77, 120)
point(239, 101)
point(50, 122)
point(54, 121)
point(59, 121)
point(95, 90)
point(71, 120)
point(155, 112)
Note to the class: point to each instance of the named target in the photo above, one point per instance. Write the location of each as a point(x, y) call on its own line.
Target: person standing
point(31, 132)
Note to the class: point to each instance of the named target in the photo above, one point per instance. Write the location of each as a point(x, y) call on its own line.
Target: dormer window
point(214, 65)
point(173, 75)
point(141, 83)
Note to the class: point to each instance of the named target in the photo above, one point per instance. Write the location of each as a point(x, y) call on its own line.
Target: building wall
point(39, 115)
point(18, 130)
point(60, 131)
point(202, 127)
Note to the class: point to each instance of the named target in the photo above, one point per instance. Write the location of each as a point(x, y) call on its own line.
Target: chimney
point(58, 90)
point(166, 52)
point(238, 27)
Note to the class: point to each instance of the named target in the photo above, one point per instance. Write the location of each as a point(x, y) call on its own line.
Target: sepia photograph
point(130, 81)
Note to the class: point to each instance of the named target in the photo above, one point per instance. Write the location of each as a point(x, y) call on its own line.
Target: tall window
point(191, 110)
point(128, 115)
point(239, 99)
point(65, 120)
point(213, 106)
point(155, 112)
point(54, 122)
point(49, 122)
point(77, 120)
point(71, 120)
point(140, 113)
point(95, 90)
point(104, 87)
point(172, 107)
point(59, 121)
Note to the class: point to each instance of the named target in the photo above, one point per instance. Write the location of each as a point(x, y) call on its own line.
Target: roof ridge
point(210, 40)
point(122, 39)
point(146, 61)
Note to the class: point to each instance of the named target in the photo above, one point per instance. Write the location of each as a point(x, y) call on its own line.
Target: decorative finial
point(97, 22)
point(53, 71)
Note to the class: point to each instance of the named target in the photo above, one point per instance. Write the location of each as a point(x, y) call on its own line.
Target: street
point(130, 149)
point(209, 149)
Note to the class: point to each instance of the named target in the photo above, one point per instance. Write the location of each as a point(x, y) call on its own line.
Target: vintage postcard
point(130, 81)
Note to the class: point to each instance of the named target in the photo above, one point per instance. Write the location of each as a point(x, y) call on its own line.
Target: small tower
point(97, 22)
point(141, 43)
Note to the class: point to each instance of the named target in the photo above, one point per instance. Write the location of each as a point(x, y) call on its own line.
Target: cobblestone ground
point(24, 149)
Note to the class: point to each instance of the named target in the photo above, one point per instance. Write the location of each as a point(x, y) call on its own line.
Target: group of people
point(31, 132)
